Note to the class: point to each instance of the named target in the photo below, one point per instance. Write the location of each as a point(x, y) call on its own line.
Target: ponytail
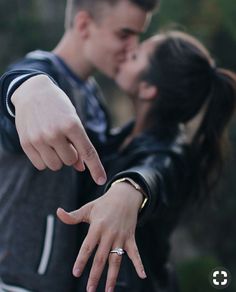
point(211, 137)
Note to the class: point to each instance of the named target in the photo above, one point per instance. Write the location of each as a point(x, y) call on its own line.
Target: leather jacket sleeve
point(15, 75)
point(19, 73)
point(161, 176)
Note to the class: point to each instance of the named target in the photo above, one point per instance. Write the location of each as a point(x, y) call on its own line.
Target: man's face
point(113, 34)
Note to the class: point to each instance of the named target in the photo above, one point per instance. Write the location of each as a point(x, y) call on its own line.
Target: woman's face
point(137, 61)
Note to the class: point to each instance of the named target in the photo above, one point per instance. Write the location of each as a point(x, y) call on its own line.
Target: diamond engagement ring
point(119, 251)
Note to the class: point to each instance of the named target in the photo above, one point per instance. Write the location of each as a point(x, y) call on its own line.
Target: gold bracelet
point(136, 186)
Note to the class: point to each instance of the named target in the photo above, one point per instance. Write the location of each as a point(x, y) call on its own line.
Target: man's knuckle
point(89, 153)
point(25, 144)
point(70, 160)
point(54, 163)
point(71, 125)
point(40, 166)
point(56, 166)
point(36, 141)
point(51, 137)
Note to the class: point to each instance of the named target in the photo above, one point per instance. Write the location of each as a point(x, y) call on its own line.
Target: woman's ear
point(147, 91)
point(82, 21)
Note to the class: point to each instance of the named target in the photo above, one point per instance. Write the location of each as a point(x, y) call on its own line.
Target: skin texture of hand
point(112, 219)
point(50, 131)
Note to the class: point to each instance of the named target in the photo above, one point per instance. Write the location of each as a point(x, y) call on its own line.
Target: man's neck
point(72, 54)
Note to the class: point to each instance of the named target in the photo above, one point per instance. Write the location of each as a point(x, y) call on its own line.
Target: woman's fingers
point(110, 228)
point(115, 261)
point(114, 267)
point(133, 253)
point(89, 243)
point(99, 263)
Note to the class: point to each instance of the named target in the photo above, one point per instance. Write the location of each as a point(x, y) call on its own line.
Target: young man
point(49, 102)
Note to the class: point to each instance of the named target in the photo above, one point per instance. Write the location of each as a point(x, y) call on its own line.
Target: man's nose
point(132, 43)
point(126, 55)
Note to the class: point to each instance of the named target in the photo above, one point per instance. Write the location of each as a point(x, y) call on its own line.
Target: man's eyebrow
point(131, 31)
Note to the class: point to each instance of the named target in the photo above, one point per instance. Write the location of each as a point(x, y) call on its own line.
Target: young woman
point(183, 104)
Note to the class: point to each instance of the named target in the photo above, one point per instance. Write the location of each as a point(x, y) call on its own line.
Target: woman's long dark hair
point(189, 82)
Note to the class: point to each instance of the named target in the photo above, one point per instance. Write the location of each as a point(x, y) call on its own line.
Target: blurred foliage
point(195, 275)
point(212, 21)
point(27, 25)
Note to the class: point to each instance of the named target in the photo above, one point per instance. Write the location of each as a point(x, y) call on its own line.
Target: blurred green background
point(205, 239)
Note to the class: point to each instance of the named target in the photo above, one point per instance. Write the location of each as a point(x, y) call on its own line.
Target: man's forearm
point(10, 81)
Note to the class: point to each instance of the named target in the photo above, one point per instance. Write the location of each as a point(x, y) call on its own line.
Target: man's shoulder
point(36, 60)
point(40, 55)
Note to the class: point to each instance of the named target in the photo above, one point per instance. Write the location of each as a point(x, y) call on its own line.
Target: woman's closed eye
point(134, 56)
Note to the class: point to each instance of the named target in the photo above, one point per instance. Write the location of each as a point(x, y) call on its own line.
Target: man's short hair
point(91, 6)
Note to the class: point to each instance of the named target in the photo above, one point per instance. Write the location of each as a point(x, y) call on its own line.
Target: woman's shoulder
point(167, 141)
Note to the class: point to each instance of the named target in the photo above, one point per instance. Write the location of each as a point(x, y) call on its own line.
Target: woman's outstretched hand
point(112, 219)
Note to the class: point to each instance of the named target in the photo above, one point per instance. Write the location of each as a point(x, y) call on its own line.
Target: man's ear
point(81, 22)
point(147, 91)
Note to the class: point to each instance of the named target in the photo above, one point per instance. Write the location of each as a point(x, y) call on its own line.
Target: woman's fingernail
point(144, 274)
point(101, 180)
point(110, 290)
point(76, 272)
point(92, 289)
